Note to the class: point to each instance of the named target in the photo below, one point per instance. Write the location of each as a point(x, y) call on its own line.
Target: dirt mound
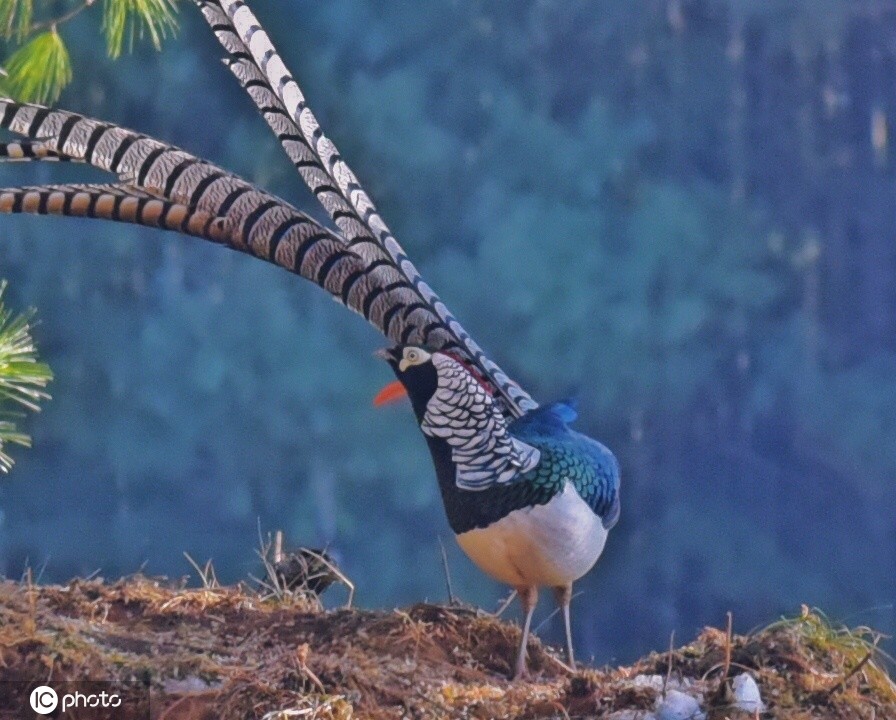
point(229, 652)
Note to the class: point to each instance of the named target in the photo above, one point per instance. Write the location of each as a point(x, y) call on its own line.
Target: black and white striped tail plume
point(281, 102)
point(162, 186)
point(360, 263)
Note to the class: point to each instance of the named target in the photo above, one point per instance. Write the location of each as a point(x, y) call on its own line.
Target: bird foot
point(521, 669)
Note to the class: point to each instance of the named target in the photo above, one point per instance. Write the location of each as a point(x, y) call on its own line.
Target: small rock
point(678, 706)
point(746, 694)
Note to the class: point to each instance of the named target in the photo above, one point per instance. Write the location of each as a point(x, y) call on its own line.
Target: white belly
point(545, 545)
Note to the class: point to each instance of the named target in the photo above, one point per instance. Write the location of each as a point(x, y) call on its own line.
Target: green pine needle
point(40, 69)
point(126, 20)
point(15, 18)
point(22, 377)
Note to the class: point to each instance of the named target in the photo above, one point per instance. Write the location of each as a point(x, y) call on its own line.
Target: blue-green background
point(674, 210)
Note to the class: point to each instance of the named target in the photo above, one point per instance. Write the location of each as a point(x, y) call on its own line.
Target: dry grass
point(232, 652)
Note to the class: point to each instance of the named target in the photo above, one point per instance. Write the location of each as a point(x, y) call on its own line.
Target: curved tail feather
point(29, 150)
point(165, 187)
point(255, 62)
point(160, 185)
point(112, 202)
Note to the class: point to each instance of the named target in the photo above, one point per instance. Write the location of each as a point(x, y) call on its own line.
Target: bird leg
point(528, 598)
point(564, 596)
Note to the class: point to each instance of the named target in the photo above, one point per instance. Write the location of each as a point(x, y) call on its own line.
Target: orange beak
point(393, 392)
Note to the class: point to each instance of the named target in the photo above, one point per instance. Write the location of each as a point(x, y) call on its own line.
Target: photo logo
point(44, 700)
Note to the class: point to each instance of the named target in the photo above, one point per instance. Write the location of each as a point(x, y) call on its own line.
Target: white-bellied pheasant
point(530, 500)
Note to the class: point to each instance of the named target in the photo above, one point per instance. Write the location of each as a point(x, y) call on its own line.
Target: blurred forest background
point(681, 211)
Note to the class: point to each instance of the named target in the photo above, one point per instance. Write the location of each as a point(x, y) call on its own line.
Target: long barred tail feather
point(163, 186)
point(112, 202)
point(303, 247)
point(29, 150)
point(159, 185)
point(254, 61)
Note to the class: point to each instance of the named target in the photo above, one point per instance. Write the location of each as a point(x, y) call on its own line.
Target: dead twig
point(451, 599)
point(341, 576)
point(278, 547)
point(551, 616)
point(502, 608)
point(864, 661)
point(302, 653)
point(669, 663)
point(31, 595)
point(726, 668)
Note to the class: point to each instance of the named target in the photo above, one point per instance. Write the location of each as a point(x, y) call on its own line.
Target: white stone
point(746, 694)
point(678, 706)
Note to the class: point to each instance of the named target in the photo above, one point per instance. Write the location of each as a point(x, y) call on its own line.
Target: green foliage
point(125, 20)
point(854, 648)
point(22, 377)
point(15, 18)
point(40, 69)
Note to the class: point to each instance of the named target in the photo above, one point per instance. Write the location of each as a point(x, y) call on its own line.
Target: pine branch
point(22, 377)
point(40, 69)
point(15, 18)
point(126, 20)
